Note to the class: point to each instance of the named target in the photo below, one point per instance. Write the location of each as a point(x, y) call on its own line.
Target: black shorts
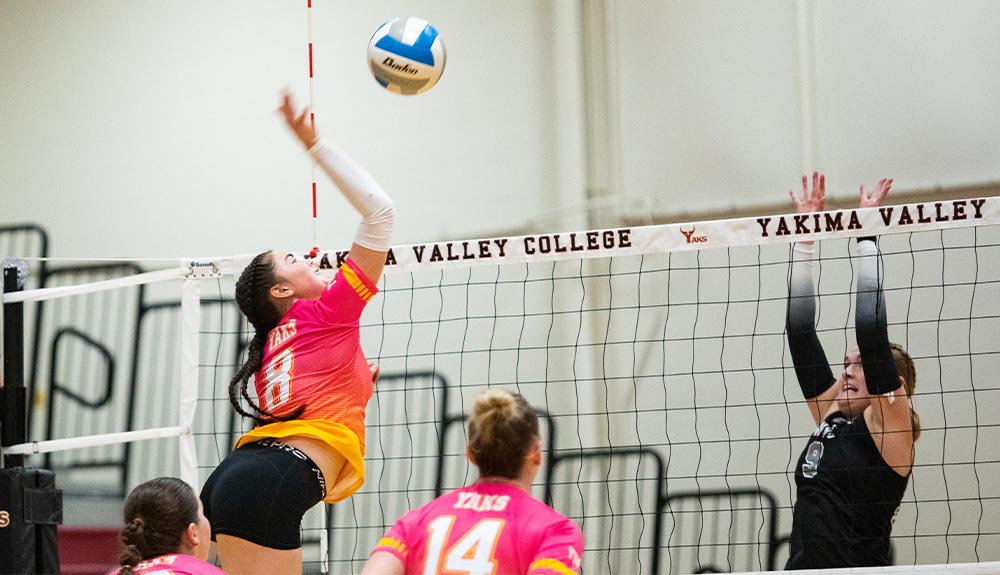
point(260, 493)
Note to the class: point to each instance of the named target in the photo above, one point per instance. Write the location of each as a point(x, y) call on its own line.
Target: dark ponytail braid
point(253, 295)
point(157, 513)
point(133, 537)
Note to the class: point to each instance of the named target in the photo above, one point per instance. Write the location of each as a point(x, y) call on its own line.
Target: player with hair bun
point(852, 474)
point(493, 525)
point(311, 379)
point(165, 531)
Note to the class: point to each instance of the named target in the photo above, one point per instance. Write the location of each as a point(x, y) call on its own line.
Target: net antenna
point(312, 121)
point(324, 566)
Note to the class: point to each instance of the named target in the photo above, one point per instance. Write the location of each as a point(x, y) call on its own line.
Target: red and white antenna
point(312, 121)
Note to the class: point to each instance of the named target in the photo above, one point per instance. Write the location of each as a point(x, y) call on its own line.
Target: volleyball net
point(656, 357)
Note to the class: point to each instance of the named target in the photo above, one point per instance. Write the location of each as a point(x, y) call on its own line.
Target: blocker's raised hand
point(875, 197)
point(812, 200)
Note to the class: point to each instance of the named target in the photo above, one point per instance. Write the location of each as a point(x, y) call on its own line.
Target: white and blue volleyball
point(406, 56)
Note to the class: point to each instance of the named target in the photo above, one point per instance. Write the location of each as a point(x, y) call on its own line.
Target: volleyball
point(406, 56)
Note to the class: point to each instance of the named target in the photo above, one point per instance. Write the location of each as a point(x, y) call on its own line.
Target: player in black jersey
point(852, 474)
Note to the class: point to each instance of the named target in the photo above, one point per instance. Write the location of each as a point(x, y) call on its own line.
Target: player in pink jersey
point(494, 526)
point(311, 379)
point(166, 532)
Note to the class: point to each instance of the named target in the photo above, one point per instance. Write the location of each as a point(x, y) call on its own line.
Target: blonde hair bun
point(495, 400)
point(502, 430)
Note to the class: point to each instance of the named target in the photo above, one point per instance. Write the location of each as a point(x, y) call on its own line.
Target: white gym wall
point(145, 129)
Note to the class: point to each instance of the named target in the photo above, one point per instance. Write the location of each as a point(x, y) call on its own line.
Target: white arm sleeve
point(801, 289)
point(362, 191)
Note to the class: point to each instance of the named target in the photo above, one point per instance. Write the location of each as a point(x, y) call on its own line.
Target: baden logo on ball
point(406, 56)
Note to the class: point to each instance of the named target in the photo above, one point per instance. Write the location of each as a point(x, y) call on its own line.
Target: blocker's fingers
point(287, 105)
point(301, 119)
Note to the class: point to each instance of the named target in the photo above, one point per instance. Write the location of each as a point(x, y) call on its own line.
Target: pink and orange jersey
point(174, 564)
point(313, 360)
point(485, 529)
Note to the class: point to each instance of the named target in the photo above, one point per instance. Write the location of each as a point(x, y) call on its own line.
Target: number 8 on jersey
point(278, 379)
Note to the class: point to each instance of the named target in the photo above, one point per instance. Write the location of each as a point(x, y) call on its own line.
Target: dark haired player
point(852, 474)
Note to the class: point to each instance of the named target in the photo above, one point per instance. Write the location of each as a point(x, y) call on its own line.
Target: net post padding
point(13, 419)
point(30, 511)
point(30, 504)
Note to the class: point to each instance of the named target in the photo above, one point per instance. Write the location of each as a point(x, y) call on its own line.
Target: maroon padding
point(88, 550)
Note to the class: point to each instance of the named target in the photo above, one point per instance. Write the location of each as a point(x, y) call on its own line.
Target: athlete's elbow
point(386, 217)
point(375, 230)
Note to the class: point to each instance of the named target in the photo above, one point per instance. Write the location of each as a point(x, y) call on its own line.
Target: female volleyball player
point(494, 525)
point(311, 377)
point(165, 531)
point(851, 476)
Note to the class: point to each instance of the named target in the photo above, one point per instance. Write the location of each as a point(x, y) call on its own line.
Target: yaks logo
point(691, 238)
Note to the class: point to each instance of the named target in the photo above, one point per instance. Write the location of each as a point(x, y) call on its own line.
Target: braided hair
point(253, 296)
point(157, 513)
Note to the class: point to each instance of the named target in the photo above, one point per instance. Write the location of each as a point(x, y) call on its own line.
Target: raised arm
point(377, 210)
point(811, 366)
point(889, 412)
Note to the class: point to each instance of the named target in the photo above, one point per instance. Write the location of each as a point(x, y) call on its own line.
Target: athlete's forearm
point(808, 357)
point(870, 321)
point(362, 191)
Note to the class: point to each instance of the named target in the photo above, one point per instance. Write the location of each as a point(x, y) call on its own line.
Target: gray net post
point(30, 504)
